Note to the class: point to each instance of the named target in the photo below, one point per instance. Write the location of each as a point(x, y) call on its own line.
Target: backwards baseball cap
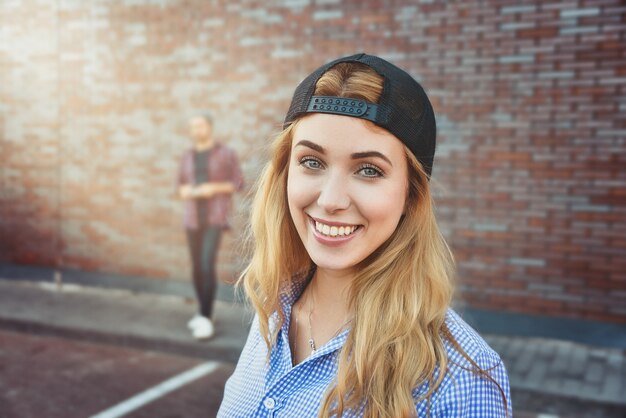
point(403, 108)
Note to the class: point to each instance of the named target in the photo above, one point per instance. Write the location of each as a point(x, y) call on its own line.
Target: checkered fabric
point(277, 389)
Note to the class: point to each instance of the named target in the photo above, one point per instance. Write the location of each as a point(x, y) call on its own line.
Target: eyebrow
point(354, 156)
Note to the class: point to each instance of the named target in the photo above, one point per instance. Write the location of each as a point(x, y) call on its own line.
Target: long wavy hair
point(399, 296)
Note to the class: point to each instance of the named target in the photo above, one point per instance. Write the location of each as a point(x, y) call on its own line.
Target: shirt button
point(269, 403)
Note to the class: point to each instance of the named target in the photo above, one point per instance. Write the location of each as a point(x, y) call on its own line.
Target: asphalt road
point(50, 377)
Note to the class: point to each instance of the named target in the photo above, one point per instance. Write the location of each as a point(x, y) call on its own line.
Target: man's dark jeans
point(203, 245)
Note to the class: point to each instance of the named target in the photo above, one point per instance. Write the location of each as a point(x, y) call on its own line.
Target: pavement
point(555, 374)
point(121, 317)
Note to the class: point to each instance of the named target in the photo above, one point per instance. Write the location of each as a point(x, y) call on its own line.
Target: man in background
point(209, 174)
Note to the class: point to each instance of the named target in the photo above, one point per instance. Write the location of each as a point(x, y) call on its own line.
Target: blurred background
point(95, 96)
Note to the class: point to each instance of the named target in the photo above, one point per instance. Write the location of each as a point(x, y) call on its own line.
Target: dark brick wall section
point(530, 100)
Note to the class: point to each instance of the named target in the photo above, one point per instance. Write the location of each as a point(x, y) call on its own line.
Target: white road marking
point(158, 391)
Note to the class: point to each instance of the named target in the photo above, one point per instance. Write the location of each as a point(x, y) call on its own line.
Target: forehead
point(346, 134)
point(198, 120)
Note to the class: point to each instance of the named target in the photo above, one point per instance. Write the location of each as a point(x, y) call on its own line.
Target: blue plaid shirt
point(278, 389)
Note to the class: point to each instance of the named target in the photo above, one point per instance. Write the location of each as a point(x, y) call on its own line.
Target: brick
point(556, 74)
point(327, 14)
point(569, 13)
point(578, 30)
point(516, 25)
point(517, 261)
point(513, 59)
point(538, 33)
point(518, 9)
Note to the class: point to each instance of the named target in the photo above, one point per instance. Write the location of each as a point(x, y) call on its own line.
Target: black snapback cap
point(403, 108)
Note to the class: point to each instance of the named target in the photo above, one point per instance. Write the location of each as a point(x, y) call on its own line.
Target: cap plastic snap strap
point(343, 106)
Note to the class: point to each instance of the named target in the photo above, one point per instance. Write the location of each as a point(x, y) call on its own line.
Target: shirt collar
point(295, 288)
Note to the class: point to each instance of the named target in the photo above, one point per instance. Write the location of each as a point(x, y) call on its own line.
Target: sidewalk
point(139, 320)
point(538, 367)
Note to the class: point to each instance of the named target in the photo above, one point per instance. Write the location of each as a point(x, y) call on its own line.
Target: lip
point(330, 223)
point(328, 241)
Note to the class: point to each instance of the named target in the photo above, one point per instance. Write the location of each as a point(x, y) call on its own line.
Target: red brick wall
point(530, 102)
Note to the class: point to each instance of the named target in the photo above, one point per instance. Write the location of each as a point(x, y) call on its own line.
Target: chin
point(333, 262)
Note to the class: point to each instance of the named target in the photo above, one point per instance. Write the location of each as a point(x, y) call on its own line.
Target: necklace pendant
point(312, 344)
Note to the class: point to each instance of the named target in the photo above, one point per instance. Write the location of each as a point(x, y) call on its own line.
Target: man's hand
point(187, 192)
point(206, 190)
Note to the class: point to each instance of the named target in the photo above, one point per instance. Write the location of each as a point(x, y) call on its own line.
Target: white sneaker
point(203, 329)
point(197, 318)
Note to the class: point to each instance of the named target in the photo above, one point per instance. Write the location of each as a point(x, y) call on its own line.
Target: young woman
point(350, 277)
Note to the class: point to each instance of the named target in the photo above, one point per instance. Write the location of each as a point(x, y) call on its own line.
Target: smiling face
point(346, 187)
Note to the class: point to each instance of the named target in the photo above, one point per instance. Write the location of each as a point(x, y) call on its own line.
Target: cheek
point(299, 193)
point(385, 211)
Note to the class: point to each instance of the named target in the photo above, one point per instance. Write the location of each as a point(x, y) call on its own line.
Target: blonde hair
point(399, 296)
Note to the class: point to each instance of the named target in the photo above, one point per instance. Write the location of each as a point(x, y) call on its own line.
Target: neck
point(331, 289)
point(204, 144)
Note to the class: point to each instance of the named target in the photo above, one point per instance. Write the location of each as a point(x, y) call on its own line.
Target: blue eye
point(369, 170)
point(311, 163)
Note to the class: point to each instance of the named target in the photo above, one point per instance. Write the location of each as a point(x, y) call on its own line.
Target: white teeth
point(333, 231)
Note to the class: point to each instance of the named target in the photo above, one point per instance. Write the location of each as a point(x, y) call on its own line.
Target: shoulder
point(225, 154)
point(467, 390)
point(254, 343)
point(223, 149)
point(472, 343)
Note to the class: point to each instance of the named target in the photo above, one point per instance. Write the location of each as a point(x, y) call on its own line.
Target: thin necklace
point(295, 336)
point(311, 341)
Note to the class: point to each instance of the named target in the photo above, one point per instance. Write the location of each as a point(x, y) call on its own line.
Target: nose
point(334, 194)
